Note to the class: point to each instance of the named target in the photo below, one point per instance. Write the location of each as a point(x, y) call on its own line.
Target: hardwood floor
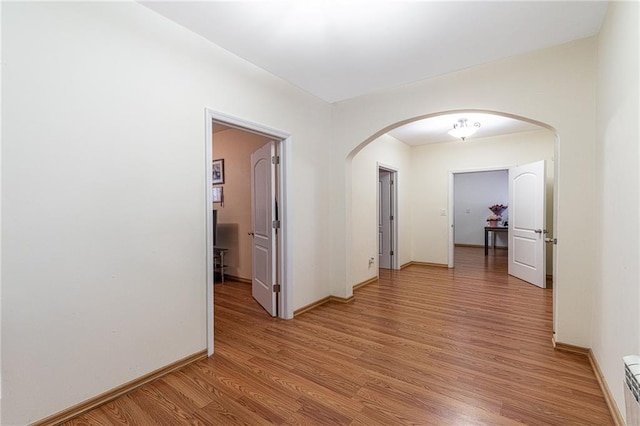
point(423, 346)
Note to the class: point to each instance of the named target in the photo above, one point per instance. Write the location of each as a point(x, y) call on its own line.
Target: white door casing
point(284, 256)
point(527, 223)
point(263, 207)
point(385, 211)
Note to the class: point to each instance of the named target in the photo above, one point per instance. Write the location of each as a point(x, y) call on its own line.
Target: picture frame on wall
point(217, 171)
point(217, 194)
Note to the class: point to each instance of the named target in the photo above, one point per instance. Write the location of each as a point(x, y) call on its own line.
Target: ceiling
point(337, 50)
point(434, 129)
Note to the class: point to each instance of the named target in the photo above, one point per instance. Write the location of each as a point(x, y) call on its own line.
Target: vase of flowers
point(493, 220)
point(496, 217)
point(497, 209)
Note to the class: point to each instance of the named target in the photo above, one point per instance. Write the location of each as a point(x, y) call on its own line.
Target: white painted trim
point(451, 222)
point(395, 264)
point(208, 182)
point(285, 255)
point(0, 221)
point(481, 169)
point(286, 249)
point(554, 261)
point(248, 125)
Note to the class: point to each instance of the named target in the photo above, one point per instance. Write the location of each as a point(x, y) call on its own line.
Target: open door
point(527, 223)
point(264, 224)
point(385, 219)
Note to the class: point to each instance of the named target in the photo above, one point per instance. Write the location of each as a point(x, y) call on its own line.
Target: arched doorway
point(427, 193)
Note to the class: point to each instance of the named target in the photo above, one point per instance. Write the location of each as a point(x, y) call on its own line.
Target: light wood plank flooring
point(423, 346)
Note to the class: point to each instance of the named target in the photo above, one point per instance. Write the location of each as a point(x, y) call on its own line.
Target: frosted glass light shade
point(462, 130)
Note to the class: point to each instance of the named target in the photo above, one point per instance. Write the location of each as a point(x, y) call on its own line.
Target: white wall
point(390, 152)
point(103, 214)
point(616, 322)
point(555, 86)
point(1, 222)
point(473, 193)
point(234, 214)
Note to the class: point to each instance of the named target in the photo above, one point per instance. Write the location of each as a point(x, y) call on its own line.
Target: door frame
point(284, 253)
point(394, 210)
point(451, 207)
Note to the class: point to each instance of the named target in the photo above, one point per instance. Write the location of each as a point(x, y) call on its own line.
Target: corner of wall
point(0, 217)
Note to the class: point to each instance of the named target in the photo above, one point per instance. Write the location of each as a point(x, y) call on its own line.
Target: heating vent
point(632, 389)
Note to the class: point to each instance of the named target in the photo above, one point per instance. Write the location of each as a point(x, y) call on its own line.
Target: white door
point(527, 223)
point(385, 196)
point(263, 207)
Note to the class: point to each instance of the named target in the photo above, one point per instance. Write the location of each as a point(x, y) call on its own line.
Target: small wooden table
point(493, 229)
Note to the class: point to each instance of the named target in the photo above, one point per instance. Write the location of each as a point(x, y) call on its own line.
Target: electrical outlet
point(468, 211)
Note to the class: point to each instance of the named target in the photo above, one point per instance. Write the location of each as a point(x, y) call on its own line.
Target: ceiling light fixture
point(462, 130)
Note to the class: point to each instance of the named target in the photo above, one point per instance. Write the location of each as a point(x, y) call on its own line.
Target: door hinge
point(275, 159)
point(276, 224)
point(276, 288)
point(391, 253)
point(391, 217)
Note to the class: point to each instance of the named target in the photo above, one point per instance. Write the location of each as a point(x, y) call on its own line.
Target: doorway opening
point(471, 193)
point(525, 201)
point(236, 193)
point(387, 218)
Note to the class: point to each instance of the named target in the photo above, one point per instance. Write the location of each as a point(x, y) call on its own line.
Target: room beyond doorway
point(234, 147)
point(473, 192)
point(282, 267)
